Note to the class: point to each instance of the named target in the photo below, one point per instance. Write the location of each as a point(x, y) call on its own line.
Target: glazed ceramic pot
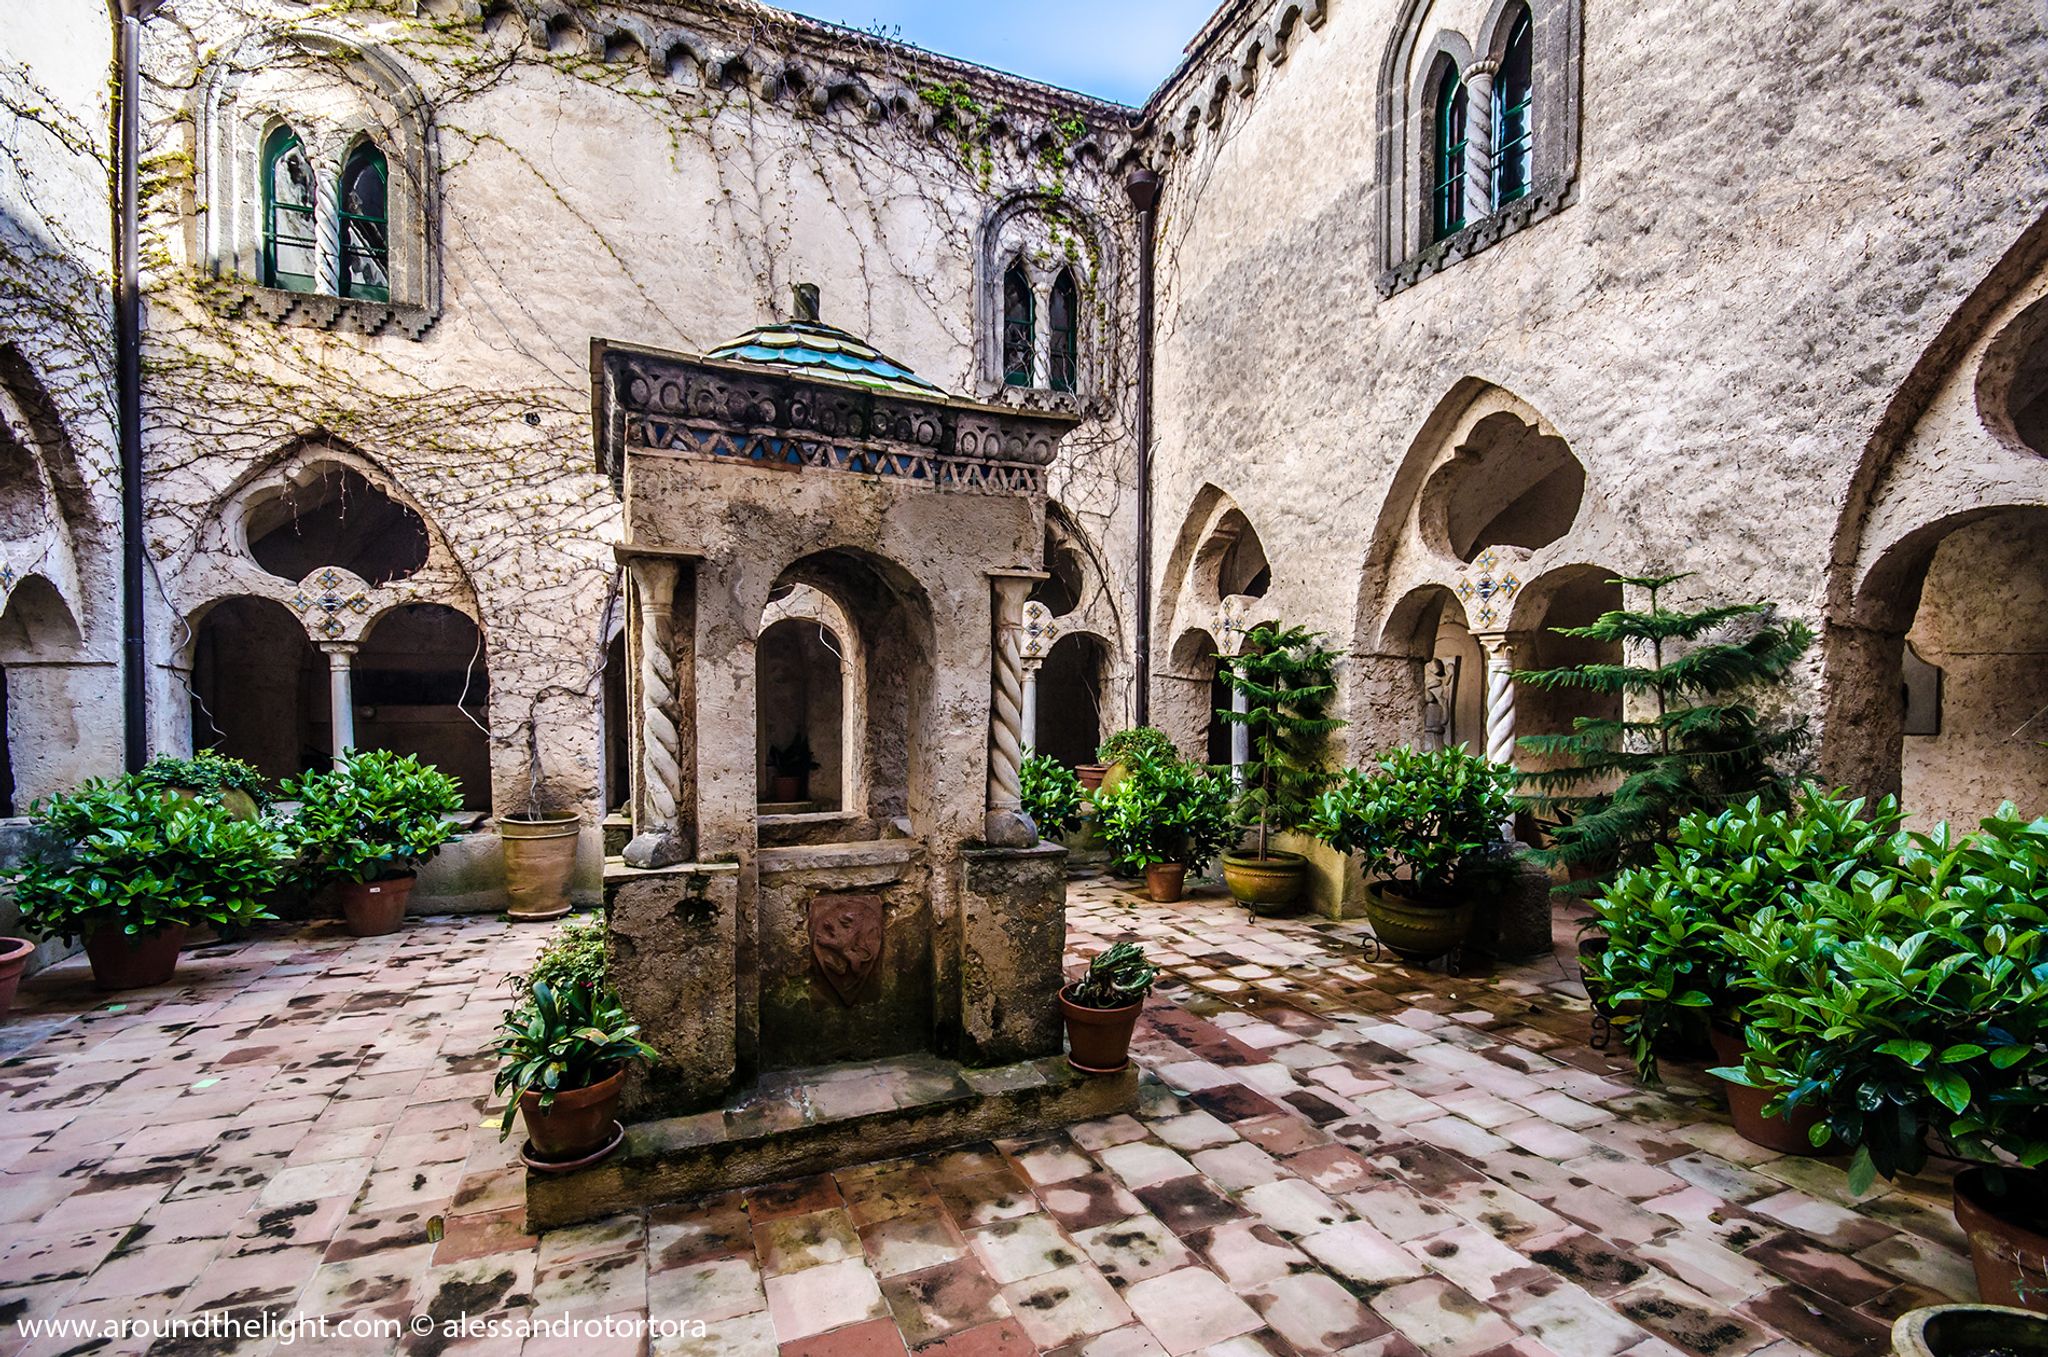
point(1266, 885)
point(123, 961)
point(1099, 1039)
point(2008, 1233)
point(371, 908)
point(579, 1123)
point(1968, 1330)
point(1166, 882)
point(540, 855)
point(1414, 929)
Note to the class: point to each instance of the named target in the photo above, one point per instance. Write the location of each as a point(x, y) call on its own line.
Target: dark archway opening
point(618, 734)
point(800, 732)
point(336, 518)
point(1576, 601)
point(422, 688)
point(1070, 688)
point(259, 689)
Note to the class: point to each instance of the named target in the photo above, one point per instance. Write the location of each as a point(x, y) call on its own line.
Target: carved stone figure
point(846, 941)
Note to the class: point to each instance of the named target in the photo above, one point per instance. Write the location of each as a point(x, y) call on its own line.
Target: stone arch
point(1508, 482)
point(1566, 596)
point(40, 640)
point(1046, 232)
point(1073, 683)
point(258, 687)
point(2012, 382)
point(422, 687)
point(1216, 554)
point(334, 516)
point(1187, 693)
point(1442, 689)
point(810, 679)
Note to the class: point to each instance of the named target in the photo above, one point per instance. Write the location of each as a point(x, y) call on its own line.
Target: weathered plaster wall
point(1778, 208)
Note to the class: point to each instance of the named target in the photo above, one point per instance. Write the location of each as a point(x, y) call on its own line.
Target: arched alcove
point(21, 490)
point(422, 688)
point(335, 517)
point(38, 716)
point(1449, 676)
point(259, 688)
point(618, 733)
point(1238, 558)
point(1061, 590)
point(1507, 484)
point(1071, 684)
point(801, 687)
point(1574, 596)
point(1187, 695)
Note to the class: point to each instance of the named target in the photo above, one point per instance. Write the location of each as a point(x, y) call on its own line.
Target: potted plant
point(1623, 783)
point(540, 855)
point(1426, 827)
point(14, 955)
point(1102, 1007)
point(137, 869)
point(563, 1056)
point(1165, 818)
point(1051, 795)
point(791, 765)
point(1286, 677)
point(1116, 755)
point(366, 826)
point(1911, 1009)
point(237, 785)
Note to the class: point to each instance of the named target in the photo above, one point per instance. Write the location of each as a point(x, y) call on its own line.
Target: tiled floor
point(1334, 1155)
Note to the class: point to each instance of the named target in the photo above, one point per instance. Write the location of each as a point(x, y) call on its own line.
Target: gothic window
point(1020, 325)
point(365, 238)
point(1514, 98)
point(1447, 186)
point(289, 240)
point(1063, 325)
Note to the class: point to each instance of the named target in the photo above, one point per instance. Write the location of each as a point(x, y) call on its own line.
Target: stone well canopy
point(802, 394)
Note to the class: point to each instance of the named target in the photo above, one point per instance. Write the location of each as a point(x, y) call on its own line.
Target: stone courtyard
point(1332, 1154)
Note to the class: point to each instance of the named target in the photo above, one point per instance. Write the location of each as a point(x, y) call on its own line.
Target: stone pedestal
point(674, 942)
point(1014, 926)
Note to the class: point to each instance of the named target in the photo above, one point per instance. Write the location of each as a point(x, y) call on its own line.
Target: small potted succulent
point(136, 868)
point(1426, 827)
point(1167, 818)
point(1102, 1007)
point(1912, 1009)
point(563, 1053)
point(1286, 676)
point(1051, 795)
point(366, 826)
point(791, 766)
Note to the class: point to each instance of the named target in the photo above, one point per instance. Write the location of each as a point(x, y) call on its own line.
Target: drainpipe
point(1141, 185)
point(128, 379)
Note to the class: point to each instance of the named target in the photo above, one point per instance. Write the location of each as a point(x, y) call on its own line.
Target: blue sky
point(1115, 49)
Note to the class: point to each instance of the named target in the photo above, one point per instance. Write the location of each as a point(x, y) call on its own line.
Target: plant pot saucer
point(1090, 1069)
point(538, 916)
point(539, 1165)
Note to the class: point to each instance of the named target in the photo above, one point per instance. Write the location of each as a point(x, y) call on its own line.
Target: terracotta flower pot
point(784, 790)
point(1414, 929)
point(1266, 885)
point(1098, 1039)
point(540, 855)
point(1090, 774)
point(1166, 882)
point(577, 1124)
point(1786, 1135)
point(120, 961)
point(1963, 1330)
point(14, 955)
point(2008, 1234)
point(371, 908)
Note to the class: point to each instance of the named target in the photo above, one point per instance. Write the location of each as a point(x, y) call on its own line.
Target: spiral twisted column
point(1005, 822)
point(1500, 705)
point(1479, 139)
point(660, 744)
point(327, 222)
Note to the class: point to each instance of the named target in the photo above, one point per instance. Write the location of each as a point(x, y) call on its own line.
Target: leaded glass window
point(1514, 96)
point(290, 248)
point(1062, 324)
point(365, 233)
point(1447, 192)
point(1020, 324)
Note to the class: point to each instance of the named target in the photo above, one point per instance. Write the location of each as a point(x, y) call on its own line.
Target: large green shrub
point(1051, 794)
point(375, 816)
point(1911, 1006)
point(137, 858)
point(1671, 926)
point(1433, 818)
point(1167, 810)
point(1287, 678)
point(1139, 742)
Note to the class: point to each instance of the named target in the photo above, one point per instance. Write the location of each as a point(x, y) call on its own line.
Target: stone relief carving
point(846, 941)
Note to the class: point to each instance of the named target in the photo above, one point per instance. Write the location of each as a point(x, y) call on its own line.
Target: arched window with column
point(1020, 326)
point(1447, 182)
point(290, 241)
point(1064, 326)
point(1514, 101)
point(365, 227)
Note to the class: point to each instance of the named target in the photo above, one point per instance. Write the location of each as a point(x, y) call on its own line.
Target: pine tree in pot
point(1701, 745)
point(1102, 1007)
point(1286, 676)
point(138, 868)
point(366, 826)
point(1425, 827)
point(1166, 818)
point(1913, 1008)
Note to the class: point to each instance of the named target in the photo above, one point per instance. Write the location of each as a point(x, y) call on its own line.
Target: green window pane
point(365, 235)
point(1020, 324)
point(1448, 186)
point(1063, 326)
point(290, 245)
point(1514, 99)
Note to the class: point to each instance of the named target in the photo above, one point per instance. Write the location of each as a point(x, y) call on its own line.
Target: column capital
point(1481, 70)
point(339, 649)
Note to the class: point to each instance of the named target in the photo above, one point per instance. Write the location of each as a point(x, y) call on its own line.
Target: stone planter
point(1970, 1330)
point(2008, 1234)
point(1416, 930)
point(1166, 882)
point(577, 1129)
point(122, 961)
point(1786, 1135)
point(540, 854)
point(371, 908)
point(1099, 1039)
point(14, 955)
point(1266, 885)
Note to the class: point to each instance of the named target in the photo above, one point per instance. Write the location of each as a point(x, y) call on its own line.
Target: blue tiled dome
point(823, 352)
